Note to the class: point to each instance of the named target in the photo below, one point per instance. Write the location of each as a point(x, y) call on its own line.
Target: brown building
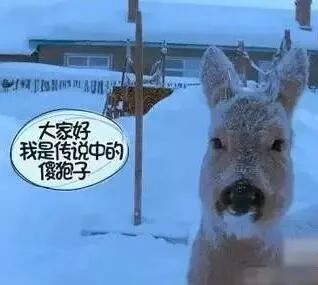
point(187, 37)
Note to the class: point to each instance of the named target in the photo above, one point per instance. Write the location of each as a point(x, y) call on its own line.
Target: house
point(98, 38)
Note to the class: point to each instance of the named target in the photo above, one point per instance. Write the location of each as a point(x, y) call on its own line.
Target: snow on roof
point(100, 20)
point(206, 24)
point(277, 4)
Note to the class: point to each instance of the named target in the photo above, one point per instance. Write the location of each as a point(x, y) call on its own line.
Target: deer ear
point(293, 72)
point(218, 76)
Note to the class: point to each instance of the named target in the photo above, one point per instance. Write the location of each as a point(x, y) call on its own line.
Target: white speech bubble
point(67, 157)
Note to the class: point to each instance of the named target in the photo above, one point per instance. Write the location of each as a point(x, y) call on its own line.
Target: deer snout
point(242, 197)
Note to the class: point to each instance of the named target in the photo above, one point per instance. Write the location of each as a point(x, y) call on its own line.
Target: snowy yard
point(41, 240)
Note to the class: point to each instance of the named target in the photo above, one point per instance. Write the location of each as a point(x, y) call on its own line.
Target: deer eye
point(216, 143)
point(278, 145)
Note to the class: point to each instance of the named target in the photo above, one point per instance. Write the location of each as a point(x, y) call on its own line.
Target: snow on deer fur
point(246, 183)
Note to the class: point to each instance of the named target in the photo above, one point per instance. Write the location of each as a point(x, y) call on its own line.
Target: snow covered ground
point(38, 77)
point(40, 237)
point(259, 23)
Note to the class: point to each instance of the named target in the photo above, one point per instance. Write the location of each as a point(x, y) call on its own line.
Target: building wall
point(256, 56)
point(17, 58)
point(54, 54)
point(313, 74)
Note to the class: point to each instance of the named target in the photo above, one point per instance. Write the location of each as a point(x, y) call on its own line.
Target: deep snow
point(41, 242)
point(260, 25)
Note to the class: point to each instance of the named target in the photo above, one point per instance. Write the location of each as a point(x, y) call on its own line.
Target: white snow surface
point(177, 23)
point(30, 70)
point(280, 4)
point(41, 242)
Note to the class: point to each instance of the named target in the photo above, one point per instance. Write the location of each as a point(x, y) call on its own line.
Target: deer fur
point(227, 248)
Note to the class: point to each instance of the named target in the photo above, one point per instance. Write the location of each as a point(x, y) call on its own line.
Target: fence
point(88, 86)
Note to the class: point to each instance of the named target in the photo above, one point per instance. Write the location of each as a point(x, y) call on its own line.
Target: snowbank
point(107, 21)
point(47, 71)
point(41, 229)
point(41, 78)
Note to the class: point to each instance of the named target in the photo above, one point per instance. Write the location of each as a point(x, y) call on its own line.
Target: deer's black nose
point(242, 197)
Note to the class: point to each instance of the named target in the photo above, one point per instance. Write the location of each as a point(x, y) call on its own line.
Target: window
point(76, 61)
point(88, 61)
point(182, 66)
point(264, 65)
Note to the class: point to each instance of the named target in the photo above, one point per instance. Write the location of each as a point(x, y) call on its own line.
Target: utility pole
point(132, 10)
point(139, 110)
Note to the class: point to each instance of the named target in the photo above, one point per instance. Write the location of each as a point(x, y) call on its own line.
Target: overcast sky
point(257, 3)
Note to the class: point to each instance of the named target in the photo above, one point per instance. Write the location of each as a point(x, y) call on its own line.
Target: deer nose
point(241, 197)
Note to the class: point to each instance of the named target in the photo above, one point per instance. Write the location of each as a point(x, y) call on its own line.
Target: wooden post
point(132, 10)
point(164, 52)
point(242, 62)
point(287, 40)
point(285, 46)
point(128, 68)
point(139, 110)
point(127, 63)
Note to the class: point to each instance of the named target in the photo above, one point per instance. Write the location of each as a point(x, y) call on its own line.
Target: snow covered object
point(246, 184)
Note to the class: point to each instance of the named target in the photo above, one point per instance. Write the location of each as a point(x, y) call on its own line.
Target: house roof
point(176, 23)
point(224, 25)
point(278, 4)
